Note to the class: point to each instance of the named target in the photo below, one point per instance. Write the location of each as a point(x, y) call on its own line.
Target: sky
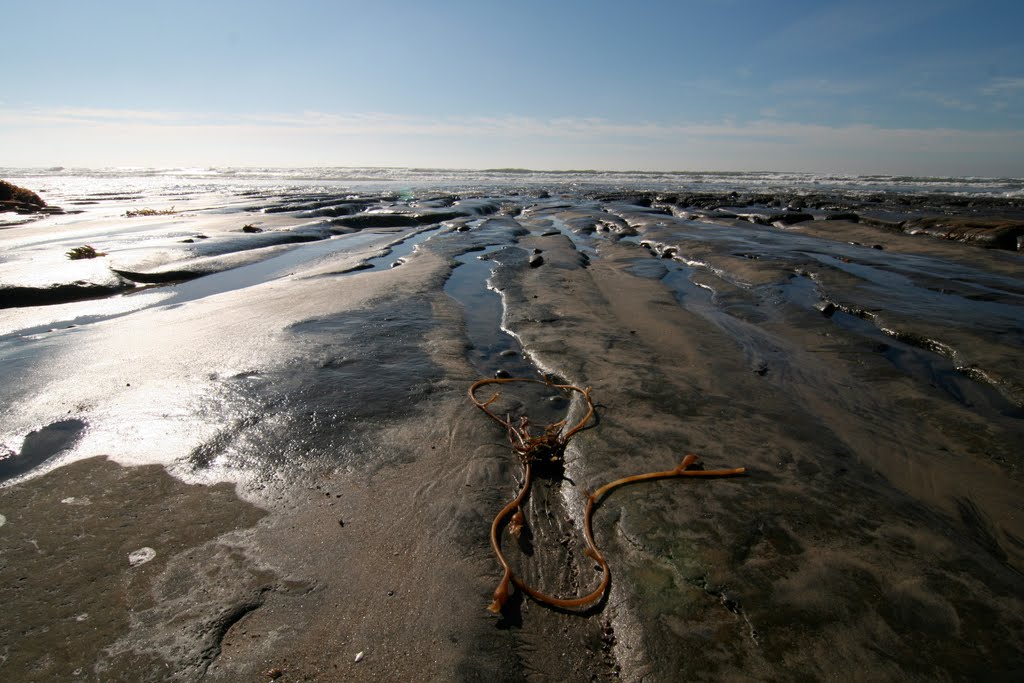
point(901, 87)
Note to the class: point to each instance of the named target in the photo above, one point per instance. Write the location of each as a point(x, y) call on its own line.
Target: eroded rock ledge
point(991, 222)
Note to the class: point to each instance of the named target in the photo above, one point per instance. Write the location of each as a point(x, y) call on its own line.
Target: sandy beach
point(238, 446)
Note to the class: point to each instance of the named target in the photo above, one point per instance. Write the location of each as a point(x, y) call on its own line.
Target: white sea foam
point(66, 182)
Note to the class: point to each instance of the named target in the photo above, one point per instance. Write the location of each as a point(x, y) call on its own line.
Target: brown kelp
point(135, 213)
point(85, 251)
point(545, 449)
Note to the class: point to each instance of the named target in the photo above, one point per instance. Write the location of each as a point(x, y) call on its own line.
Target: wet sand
point(865, 376)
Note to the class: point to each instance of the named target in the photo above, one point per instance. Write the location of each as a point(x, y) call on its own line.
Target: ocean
point(170, 180)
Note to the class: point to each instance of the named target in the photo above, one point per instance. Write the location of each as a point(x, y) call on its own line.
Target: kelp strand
point(547, 447)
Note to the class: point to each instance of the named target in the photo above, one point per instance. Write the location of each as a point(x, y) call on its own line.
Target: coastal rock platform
point(255, 459)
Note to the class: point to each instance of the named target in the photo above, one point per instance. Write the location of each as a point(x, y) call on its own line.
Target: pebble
point(502, 374)
point(3, 520)
point(536, 261)
point(141, 556)
point(359, 656)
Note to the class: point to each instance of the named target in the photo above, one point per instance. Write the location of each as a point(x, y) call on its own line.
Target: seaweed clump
point(134, 213)
point(83, 252)
point(545, 449)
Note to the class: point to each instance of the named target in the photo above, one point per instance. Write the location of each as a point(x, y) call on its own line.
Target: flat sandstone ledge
point(82, 550)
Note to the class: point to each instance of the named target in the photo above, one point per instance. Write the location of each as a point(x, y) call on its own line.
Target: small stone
point(827, 308)
point(359, 657)
point(502, 374)
point(275, 674)
point(508, 353)
point(141, 556)
point(341, 522)
point(3, 520)
point(536, 261)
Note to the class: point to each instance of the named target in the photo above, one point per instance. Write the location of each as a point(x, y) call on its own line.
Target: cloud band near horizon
point(109, 137)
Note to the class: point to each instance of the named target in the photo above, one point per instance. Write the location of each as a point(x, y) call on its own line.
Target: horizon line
point(506, 170)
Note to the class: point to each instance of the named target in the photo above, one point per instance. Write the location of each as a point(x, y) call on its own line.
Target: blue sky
point(860, 86)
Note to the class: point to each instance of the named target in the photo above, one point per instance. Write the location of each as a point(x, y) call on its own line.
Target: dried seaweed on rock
point(545, 449)
point(84, 252)
point(135, 213)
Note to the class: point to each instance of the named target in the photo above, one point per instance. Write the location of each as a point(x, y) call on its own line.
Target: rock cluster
point(992, 222)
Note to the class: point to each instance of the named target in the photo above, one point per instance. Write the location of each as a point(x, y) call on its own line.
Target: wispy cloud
point(1004, 86)
point(382, 123)
point(944, 100)
point(91, 116)
point(84, 135)
point(852, 22)
point(821, 86)
point(364, 123)
point(720, 88)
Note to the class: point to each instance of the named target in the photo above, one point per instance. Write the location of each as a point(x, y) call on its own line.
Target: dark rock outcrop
point(994, 233)
point(14, 198)
point(11, 297)
point(397, 220)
